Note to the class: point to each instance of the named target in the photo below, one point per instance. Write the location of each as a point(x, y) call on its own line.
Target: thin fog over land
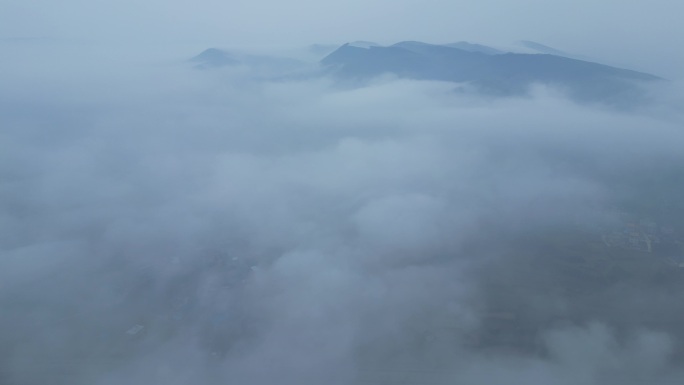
point(161, 223)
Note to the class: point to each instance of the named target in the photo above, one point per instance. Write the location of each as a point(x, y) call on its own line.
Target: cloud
point(300, 232)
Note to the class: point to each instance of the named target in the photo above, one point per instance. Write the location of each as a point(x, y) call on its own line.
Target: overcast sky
point(639, 34)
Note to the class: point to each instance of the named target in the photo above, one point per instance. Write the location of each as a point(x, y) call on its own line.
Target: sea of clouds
point(299, 232)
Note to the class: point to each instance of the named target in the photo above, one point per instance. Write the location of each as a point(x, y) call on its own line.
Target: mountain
point(493, 73)
point(215, 58)
point(464, 45)
point(541, 48)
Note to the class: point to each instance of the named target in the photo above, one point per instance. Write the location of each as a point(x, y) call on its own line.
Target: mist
point(162, 224)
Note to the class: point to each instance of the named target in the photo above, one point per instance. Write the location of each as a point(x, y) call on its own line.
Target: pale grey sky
point(643, 35)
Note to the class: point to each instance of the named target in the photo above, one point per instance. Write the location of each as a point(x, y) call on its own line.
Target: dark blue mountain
point(494, 73)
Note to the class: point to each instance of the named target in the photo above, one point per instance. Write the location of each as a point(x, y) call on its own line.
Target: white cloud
point(359, 216)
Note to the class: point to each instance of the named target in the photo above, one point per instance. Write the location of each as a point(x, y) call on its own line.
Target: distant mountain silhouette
point(488, 70)
point(215, 58)
point(474, 67)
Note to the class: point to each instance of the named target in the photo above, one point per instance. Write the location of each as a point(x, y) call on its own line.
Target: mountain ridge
point(497, 73)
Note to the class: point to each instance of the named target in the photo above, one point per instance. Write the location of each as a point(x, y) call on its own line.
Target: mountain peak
point(214, 57)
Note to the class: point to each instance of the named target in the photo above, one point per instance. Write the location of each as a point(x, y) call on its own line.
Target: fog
point(160, 224)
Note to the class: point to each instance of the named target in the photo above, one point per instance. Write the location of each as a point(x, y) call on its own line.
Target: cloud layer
point(304, 233)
